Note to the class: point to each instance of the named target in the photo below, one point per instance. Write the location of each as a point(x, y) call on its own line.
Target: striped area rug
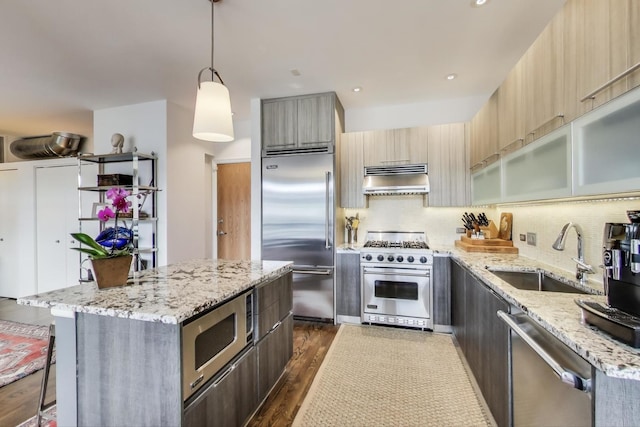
point(379, 376)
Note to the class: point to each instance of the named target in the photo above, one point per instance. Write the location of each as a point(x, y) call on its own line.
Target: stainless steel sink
point(535, 281)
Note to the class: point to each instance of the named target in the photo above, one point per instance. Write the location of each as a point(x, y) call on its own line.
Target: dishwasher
point(550, 383)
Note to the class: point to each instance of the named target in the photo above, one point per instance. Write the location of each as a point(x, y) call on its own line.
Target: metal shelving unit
point(143, 219)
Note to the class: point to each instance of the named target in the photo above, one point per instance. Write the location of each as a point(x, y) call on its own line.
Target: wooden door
point(234, 211)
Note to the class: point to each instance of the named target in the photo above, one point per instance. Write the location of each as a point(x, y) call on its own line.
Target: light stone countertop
point(169, 294)
point(556, 312)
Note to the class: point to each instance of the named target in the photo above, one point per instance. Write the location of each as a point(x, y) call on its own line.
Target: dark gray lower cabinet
point(274, 351)
point(348, 284)
point(483, 338)
point(230, 399)
point(441, 282)
point(274, 301)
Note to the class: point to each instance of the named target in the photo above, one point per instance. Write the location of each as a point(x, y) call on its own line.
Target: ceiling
point(64, 59)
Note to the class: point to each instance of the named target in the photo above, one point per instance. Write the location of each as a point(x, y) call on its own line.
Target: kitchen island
point(119, 350)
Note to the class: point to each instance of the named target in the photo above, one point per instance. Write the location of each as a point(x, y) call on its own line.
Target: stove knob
point(368, 257)
point(400, 258)
point(390, 258)
point(380, 258)
point(423, 259)
point(410, 258)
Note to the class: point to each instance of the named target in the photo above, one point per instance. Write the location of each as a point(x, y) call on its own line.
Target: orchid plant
point(113, 241)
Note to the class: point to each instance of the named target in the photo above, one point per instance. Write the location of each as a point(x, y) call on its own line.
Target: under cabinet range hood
point(395, 180)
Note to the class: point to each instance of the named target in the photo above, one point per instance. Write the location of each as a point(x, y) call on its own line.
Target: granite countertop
point(557, 312)
point(170, 294)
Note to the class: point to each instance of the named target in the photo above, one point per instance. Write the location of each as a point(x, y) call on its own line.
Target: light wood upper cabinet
point(395, 147)
point(597, 40)
point(301, 122)
point(449, 177)
point(484, 133)
point(634, 42)
point(315, 120)
point(352, 170)
point(544, 81)
point(511, 109)
point(279, 123)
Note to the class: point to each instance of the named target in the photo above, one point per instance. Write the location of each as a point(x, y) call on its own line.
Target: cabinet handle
point(512, 144)
point(1, 239)
point(592, 95)
point(57, 241)
point(224, 375)
point(557, 116)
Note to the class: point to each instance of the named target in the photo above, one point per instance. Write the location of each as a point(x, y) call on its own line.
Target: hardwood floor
point(311, 341)
point(19, 400)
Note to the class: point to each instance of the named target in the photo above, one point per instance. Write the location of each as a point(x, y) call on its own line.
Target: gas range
point(395, 272)
point(396, 248)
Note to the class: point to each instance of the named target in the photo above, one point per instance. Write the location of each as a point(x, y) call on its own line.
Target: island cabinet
point(127, 357)
point(483, 338)
point(348, 287)
point(274, 332)
point(301, 122)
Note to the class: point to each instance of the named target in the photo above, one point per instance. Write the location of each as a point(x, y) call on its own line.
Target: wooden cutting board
point(486, 248)
point(486, 242)
point(506, 224)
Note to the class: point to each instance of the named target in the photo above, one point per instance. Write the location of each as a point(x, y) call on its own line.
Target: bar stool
point(45, 379)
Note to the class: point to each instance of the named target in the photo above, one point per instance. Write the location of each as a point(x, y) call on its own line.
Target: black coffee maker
point(620, 317)
point(621, 256)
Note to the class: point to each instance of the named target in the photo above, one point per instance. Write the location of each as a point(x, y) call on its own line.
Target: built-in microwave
point(212, 339)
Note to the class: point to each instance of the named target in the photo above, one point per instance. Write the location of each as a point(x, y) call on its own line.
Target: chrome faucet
point(582, 267)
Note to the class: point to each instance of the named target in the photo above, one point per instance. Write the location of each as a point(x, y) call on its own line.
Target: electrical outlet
point(523, 237)
point(531, 239)
point(461, 230)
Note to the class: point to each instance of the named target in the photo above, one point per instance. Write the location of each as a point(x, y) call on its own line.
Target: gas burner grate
point(413, 244)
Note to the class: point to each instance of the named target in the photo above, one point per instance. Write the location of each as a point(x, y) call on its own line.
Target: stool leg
point(45, 374)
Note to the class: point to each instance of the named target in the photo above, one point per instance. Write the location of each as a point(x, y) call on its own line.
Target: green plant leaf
point(94, 249)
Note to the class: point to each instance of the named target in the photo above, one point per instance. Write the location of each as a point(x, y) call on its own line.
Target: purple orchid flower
point(106, 214)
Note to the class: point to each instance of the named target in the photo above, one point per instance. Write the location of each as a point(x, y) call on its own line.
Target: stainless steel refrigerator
point(298, 216)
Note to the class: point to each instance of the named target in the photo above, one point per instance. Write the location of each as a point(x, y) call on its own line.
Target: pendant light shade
point(212, 119)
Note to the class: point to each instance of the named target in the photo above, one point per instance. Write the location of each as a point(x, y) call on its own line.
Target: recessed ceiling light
point(451, 76)
point(478, 3)
point(357, 89)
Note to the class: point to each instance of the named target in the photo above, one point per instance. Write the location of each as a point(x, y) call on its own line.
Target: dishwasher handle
point(566, 376)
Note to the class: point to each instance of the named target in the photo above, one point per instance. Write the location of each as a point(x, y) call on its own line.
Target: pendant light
point(212, 118)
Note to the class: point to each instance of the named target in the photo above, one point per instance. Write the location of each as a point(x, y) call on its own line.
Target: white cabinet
point(607, 146)
point(540, 170)
point(486, 185)
point(56, 217)
point(10, 239)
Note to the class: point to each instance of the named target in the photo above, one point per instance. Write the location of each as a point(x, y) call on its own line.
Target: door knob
point(221, 233)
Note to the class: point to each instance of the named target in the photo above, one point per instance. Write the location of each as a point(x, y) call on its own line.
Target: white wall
point(143, 126)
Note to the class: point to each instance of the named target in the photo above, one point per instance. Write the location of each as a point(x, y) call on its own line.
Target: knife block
point(490, 231)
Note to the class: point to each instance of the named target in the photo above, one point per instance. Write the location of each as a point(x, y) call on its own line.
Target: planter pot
point(109, 272)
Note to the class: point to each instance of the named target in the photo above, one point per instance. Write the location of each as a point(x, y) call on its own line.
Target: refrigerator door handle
point(327, 213)
point(316, 272)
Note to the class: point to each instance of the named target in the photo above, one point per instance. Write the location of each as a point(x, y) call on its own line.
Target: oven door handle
point(412, 273)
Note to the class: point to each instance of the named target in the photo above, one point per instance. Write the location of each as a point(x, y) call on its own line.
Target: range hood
point(395, 180)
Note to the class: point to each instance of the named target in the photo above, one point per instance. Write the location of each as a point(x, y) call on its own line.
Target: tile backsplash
point(407, 213)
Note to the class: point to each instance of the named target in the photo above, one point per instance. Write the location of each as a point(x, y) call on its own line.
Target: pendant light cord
point(214, 73)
